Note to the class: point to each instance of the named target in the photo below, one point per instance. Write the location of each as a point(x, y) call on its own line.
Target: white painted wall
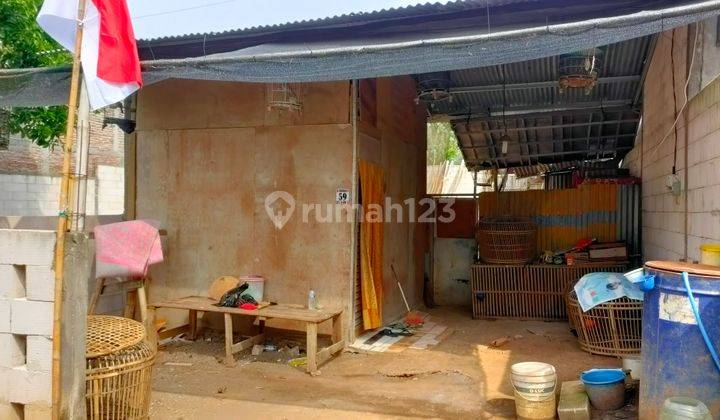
point(37, 195)
point(674, 224)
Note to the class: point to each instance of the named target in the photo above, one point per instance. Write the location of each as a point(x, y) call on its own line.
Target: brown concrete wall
point(674, 225)
point(392, 134)
point(208, 153)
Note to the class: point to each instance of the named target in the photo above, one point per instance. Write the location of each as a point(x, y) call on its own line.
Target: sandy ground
point(459, 378)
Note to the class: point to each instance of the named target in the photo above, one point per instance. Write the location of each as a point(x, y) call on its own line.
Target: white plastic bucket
point(256, 286)
point(534, 384)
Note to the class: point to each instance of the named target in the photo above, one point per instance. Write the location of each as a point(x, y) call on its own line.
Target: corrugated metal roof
point(348, 18)
point(544, 124)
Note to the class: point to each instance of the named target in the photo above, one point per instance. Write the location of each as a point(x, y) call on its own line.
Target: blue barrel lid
point(602, 376)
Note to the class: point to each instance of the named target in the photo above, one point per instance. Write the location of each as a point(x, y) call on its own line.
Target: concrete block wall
point(37, 195)
point(26, 316)
point(676, 225)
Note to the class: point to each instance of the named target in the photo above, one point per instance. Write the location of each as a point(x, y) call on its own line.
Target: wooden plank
point(247, 343)
point(311, 346)
point(192, 323)
point(99, 284)
point(337, 328)
point(326, 353)
point(206, 304)
point(152, 333)
point(229, 359)
point(169, 333)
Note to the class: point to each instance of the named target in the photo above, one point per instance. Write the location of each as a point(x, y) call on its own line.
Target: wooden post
point(63, 217)
point(311, 346)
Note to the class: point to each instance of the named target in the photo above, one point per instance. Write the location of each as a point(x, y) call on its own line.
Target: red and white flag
point(109, 56)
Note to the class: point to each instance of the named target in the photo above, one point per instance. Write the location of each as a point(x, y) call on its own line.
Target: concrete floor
point(459, 378)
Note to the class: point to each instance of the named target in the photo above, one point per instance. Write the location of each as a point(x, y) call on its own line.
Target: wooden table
point(311, 318)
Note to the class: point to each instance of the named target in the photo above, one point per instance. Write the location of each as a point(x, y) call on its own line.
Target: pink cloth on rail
point(127, 249)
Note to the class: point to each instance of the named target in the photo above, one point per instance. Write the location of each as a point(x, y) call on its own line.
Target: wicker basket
point(611, 329)
point(506, 240)
point(117, 384)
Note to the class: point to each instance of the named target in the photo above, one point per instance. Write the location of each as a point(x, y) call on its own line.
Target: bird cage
point(284, 96)
point(118, 369)
point(506, 240)
point(579, 70)
point(612, 328)
point(433, 88)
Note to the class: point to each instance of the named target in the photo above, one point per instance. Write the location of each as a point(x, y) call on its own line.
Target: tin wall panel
point(563, 216)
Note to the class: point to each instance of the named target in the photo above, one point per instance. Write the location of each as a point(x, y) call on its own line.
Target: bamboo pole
point(63, 216)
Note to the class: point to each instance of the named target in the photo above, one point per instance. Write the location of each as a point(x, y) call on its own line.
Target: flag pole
point(62, 225)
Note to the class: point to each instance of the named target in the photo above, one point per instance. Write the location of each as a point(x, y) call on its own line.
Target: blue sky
point(158, 18)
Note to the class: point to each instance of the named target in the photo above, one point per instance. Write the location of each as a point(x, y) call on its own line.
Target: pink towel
point(127, 249)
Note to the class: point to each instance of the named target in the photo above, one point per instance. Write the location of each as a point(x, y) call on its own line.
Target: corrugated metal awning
point(388, 44)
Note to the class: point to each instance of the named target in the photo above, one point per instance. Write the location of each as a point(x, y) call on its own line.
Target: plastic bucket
point(256, 286)
point(534, 384)
point(676, 408)
point(710, 254)
point(605, 388)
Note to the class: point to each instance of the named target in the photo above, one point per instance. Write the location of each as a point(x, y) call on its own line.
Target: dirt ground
point(459, 378)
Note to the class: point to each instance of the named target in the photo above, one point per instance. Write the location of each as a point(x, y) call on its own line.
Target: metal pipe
point(557, 141)
point(568, 125)
point(544, 112)
point(535, 85)
point(531, 109)
point(646, 67)
point(81, 161)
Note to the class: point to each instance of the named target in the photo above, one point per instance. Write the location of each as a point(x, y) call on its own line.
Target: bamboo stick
point(63, 217)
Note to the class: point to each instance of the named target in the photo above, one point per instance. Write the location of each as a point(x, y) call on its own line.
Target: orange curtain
point(371, 244)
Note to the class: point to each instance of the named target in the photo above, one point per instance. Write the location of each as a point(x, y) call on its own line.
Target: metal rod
point(646, 67)
point(81, 160)
point(558, 141)
point(534, 85)
point(537, 109)
point(568, 125)
point(63, 216)
point(539, 112)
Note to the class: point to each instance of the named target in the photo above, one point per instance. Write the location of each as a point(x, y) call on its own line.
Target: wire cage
point(506, 240)
point(612, 328)
point(118, 383)
point(284, 96)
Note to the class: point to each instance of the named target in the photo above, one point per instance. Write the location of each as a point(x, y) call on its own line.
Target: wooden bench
point(311, 318)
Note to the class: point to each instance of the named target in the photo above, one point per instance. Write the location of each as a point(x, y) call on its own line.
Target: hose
point(703, 332)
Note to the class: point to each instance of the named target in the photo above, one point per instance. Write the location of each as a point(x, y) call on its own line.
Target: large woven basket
point(118, 380)
point(506, 240)
point(611, 329)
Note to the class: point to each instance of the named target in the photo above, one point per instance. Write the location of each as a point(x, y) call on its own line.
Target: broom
point(411, 319)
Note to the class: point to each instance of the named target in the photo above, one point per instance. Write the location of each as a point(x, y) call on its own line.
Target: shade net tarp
point(397, 49)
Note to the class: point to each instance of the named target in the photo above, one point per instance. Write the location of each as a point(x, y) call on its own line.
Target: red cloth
point(248, 306)
point(118, 60)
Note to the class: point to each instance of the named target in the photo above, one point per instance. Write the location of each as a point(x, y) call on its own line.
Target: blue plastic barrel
point(675, 359)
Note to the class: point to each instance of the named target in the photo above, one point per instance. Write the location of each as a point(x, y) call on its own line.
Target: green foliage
point(442, 144)
point(24, 44)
